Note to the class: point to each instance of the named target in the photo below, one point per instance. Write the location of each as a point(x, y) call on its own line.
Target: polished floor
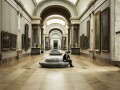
point(26, 74)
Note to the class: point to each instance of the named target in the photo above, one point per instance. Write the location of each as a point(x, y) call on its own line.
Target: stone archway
point(59, 3)
point(54, 7)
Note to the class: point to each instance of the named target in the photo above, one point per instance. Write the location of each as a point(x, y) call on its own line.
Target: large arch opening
point(55, 16)
point(55, 10)
point(55, 36)
point(55, 19)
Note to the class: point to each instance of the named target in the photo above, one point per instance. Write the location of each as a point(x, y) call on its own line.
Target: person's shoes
point(71, 66)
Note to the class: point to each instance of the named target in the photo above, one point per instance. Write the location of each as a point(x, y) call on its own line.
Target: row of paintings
point(8, 41)
point(25, 39)
point(102, 30)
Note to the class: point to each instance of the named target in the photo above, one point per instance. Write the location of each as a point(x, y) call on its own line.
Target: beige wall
point(117, 28)
point(82, 5)
point(29, 5)
point(83, 22)
point(10, 24)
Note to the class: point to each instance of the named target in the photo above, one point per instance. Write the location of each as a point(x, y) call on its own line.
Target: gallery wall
point(81, 6)
point(10, 24)
point(29, 5)
point(98, 6)
point(117, 30)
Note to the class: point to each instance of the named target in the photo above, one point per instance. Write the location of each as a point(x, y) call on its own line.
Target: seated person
point(66, 58)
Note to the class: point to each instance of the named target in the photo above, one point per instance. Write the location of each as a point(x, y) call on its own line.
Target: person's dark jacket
point(66, 58)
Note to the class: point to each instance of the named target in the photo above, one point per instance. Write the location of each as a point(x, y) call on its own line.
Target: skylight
point(59, 21)
point(73, 1)
point(38, 1)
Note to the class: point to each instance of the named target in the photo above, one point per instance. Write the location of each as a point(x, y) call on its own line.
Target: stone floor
point(26, 74)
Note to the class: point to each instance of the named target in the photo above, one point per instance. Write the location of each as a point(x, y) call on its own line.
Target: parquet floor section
point(27, 74)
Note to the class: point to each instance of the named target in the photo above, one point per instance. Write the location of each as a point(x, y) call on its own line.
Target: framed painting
point(26, 36)
point(29, 40)
point(23, 41)
point(87, 42)
point(13, 41)
point(64, 42)
point(105, 27)
point(82, 41)
point(46, 43)
point(5, 41)
point(98, 31)
point(88, 28)
point(88, 34)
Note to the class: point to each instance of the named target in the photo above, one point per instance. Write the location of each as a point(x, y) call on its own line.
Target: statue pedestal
point(35, 51)
point(19, 54)
point(75, 51)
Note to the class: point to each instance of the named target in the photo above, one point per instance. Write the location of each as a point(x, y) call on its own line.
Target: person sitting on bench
point(66, 58)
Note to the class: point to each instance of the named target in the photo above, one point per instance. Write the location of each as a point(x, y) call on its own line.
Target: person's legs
point(70, 62)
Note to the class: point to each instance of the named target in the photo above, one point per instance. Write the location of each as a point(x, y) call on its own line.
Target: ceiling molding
point(34, 2)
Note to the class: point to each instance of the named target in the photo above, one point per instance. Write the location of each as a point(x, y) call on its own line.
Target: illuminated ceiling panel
point(38, 1)
point(73, 1)
point(59, 21)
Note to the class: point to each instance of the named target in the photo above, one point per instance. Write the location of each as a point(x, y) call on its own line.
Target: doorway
point(55, 44)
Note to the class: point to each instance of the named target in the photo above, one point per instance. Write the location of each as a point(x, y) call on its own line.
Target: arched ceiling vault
point(55, 26)
point(55, 29)
point(52, 7)
point(55, 10)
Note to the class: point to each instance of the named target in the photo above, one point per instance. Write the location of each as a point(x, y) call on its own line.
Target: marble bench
point(53, 63)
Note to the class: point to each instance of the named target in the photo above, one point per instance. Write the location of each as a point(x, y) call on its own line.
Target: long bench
point(53, 63)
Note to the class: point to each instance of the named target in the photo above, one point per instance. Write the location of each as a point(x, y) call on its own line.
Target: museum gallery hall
point(59, 44)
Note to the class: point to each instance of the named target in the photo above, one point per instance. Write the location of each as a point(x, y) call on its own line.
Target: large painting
point(26, 36)
point(23, 41)
point(88, 28)
point(82, 41)
point(98, 32)
point(13, 41)
point(105, 24)
point(29, 41)
point(88, 34)
point(5, 41)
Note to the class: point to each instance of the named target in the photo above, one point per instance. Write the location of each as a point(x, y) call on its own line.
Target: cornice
point(23, 8)
point(89, 5)
point(34, 2)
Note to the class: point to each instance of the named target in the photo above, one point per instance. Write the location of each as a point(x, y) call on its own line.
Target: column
point(75, 33)
point(42, 39)
point(72, 36)
point(76, 30)
point(19, 32)
point(69, 29)
point(36, 35)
